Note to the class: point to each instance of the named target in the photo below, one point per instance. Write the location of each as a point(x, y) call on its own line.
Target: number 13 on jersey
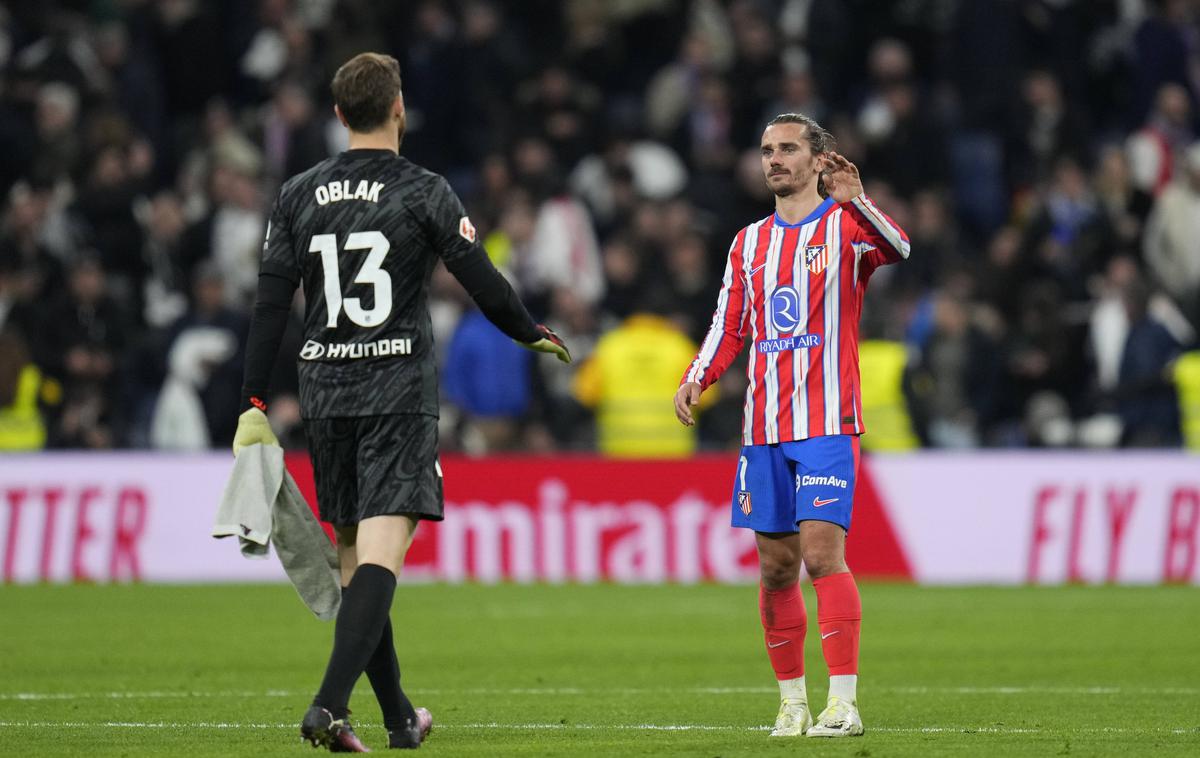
point(371, 273)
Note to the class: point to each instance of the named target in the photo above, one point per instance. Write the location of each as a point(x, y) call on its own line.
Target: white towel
point(262, 505)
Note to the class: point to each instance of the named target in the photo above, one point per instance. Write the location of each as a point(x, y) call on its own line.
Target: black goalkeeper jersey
point(362, 232)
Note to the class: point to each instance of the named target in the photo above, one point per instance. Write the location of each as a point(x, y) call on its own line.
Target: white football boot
point(793, 720)
point(839, 719)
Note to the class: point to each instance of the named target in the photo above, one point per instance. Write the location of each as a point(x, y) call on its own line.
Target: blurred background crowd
point(1041, 154)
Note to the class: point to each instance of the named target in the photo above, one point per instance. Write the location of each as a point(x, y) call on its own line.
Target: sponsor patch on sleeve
point(466, 229)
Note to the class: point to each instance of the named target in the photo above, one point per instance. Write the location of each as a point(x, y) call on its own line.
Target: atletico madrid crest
point(816, 257)
point(744, 502)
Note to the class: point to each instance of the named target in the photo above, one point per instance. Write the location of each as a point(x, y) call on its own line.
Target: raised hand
point(841, 178)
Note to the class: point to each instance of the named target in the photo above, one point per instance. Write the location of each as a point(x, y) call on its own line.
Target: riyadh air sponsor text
point(794, 342)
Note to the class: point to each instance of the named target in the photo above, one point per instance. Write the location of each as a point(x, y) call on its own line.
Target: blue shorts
point(778, 486)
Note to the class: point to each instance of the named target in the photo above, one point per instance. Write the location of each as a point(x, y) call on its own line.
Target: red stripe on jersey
point(850, 307)
point(758, 399)
point(732, 318)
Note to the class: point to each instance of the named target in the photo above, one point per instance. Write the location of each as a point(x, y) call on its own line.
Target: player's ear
point(398, 107)
point(338, 112)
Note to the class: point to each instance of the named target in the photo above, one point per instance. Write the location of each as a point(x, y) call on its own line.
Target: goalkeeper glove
point(549, 343)
point(253, 429)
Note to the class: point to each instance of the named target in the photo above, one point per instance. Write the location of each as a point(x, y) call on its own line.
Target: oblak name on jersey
point(336, 191)
point(796, 291)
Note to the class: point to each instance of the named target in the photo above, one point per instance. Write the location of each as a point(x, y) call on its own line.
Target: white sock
point(844, 686)
point(793, 689)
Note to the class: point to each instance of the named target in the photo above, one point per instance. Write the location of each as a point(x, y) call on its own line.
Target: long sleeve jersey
point(796, 292)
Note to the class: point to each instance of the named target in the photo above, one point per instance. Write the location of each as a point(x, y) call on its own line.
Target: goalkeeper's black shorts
point(375, 466)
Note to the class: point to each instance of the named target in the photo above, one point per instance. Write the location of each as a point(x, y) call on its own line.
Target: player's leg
point(828, 468)
point(839, 608)
point(763, 502)
point(347, 552)
point(333, 446)
point(839, 617)
point(399, 476)
point(383, 669)
point(781, 606)
point(785, 623)
point(380, 544)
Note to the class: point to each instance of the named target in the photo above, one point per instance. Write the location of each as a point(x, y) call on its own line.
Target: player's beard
point(783, 190)
point(793, 186)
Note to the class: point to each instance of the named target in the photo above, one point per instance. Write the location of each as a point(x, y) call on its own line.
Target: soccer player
point(794, 285)
point(362, 232)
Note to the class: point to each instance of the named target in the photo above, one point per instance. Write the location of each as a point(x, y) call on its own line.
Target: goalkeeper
point(361, 232)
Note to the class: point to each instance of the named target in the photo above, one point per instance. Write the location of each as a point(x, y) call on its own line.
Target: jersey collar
point(367, 152)
point(819, 211)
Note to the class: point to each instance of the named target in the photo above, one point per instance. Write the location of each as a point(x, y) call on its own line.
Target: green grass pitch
point(603, 670)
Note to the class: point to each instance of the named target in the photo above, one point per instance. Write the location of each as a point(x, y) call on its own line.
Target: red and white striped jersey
point(796, 291)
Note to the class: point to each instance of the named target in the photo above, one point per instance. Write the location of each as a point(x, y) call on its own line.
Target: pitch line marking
point(163, 694)
point(597, 727)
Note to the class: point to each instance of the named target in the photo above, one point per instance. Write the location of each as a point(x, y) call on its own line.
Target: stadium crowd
point(1042, 155)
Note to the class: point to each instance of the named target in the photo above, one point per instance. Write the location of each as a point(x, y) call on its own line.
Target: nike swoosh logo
point(818, 502)
point(754, 271)
point(830, 634)
point(778, 644)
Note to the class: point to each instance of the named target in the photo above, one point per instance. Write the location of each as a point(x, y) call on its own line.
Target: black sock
point(360, 623)
point(383, 670)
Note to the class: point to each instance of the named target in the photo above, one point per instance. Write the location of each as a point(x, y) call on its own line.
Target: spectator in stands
point(35, 271)
point(164, 289)
point(1164, 50)
point(905, 144)
point(631, 369)
point(81, 344)
point(690, 284)
point(105, 206)
point(610, 169)
point(1146, 398)
point(1045, 128)
point(955, 378)
point(487, 378)
point(1067, 238)
point(293, 138)
point(675, 85)
point(797, 93)
point(561, 110)
point(563, 251)
point(629, 169)
point(1172, 242)
point(21, 426)
point(1167, 131)
point(58, 147)
point(205, 351)
point(557, 410)
point(1124, 205)
point(231, 234)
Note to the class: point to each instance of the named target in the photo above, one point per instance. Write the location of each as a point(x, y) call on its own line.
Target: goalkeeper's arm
point(496, 298)
point(266, 332)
